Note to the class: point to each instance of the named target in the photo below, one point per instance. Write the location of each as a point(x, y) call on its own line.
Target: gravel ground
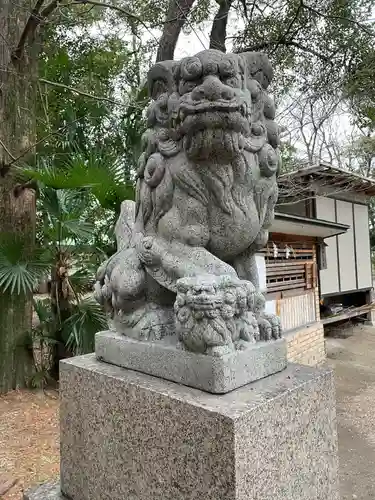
point(353, 359)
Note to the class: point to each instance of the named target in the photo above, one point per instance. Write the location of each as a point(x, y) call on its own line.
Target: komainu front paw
point(149, 322)
point(120, 281)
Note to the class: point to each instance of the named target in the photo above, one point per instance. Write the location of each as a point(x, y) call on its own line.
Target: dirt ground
point(29, 440)
point(29, 427)
point(353, 358)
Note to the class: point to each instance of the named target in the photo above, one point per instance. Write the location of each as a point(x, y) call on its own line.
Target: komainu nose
point(212, 89)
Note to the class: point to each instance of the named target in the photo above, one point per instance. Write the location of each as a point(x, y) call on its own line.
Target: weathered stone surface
point(125, 224)
point(129, 436)
point(47, 491)
point(216, 374)
point(205, 197)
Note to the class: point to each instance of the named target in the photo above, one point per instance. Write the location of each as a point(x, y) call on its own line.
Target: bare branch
point(288, 43)
point(244, 6)
point(290, 26)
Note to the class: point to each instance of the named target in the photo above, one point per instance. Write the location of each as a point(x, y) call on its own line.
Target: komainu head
point(212, 105)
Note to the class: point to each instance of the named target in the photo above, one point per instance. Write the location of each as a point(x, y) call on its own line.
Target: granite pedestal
point(130, 436)
point(210, 373)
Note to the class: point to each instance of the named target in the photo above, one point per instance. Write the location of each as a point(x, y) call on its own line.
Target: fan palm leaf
point(21, 268)
point(79, 330)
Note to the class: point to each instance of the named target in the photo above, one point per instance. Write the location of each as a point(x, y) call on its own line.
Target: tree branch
point(288, 43)
point(28, 30)
point(80, 92)
point(6, 150)
point(49, 8)
point(290, 26)
point(338, 18)
point(126, 12)
point(219, 25)
point(35, 19)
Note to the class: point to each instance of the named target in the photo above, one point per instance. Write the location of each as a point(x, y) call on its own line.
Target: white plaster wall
point(362, 244)
point(270, 307)
point(262, 271)
point(345, 241)
point(329, 278)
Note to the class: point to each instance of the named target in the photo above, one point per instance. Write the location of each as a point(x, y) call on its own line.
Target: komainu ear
point(161, 78)
point(258, 67)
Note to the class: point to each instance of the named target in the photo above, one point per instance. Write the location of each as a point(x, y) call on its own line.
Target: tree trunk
point(17, 213)
point(178, 11)
point(61, 305)
point(219, 26)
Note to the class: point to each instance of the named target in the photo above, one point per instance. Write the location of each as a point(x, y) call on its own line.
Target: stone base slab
point(47, 491)
point(213, 374)
point(130, 436)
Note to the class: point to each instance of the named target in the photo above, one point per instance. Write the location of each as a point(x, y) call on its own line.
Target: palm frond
point(87, 319)
point(73, 176)
point(21, 268)
point(83, 279)
point(98, 171)
point(76, 228)
point(42, 308)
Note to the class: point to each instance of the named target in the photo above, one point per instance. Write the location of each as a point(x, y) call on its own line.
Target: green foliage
point(315, 47)
point(76, 334)
point(88, 55)
point(75, 198)
point(20, 267)
point(360, 158)
point(360, 154)
point(78, 331)
point(41, 341)
point(359, 87)
point(80, 198)
point(289, 158)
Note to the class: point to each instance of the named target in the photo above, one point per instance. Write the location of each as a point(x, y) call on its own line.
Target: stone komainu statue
point(205, 197)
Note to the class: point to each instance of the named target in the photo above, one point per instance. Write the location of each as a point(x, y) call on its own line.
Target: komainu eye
point(191, 68)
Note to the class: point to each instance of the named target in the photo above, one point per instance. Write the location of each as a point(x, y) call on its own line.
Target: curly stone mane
point(175, 110)
point(205, 196)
